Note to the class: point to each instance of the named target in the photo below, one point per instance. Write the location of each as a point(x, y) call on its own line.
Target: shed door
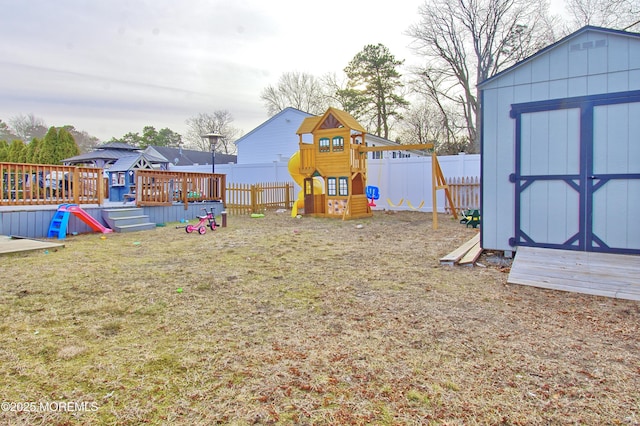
point(614, 183)
point(548, 206)
point(578, 175)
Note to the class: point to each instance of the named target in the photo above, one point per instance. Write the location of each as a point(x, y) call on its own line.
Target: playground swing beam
point(437, 178)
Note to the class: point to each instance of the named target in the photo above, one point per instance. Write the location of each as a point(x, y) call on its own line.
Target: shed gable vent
point(588, 45)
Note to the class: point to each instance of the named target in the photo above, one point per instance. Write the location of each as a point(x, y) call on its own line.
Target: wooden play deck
point(600, 274)
point(15, 244)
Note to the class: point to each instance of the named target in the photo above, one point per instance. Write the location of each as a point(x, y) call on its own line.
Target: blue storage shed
point(561, 147)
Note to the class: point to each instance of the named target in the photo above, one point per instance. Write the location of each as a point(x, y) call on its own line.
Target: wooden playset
point(332, 170)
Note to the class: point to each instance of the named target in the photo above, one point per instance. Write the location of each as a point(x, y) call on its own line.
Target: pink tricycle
point(208, 219)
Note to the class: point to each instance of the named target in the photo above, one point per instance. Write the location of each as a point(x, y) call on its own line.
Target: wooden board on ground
point(599, 274)
point(13, 244)
point(453, 257)
point(472, 255)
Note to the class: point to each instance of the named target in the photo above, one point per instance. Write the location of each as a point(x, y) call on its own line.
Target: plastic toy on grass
point(373, 193)
point(208, 219)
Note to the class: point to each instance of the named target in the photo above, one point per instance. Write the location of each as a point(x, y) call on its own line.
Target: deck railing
point(35, 184)
point(158, 188)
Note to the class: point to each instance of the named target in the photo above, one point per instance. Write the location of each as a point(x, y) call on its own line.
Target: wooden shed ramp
point(599, 274)
point(15, 244)
point(466, 254)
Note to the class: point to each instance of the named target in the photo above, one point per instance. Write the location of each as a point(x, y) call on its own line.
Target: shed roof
point(587, 28)
point(134, 161)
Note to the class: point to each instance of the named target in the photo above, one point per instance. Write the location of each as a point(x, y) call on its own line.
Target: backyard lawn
point(278, 320)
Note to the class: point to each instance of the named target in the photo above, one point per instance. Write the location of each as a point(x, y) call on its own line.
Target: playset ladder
point(59, 223)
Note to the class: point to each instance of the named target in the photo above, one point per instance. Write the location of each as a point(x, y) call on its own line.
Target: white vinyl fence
point(404, 183)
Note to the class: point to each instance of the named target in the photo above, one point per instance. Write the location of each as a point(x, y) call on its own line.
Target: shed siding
point(590, 63)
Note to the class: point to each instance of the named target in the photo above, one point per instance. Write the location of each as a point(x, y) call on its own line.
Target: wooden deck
point(15, 244)
point(599, 274)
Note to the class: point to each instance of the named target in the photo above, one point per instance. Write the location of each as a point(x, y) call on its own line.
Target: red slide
point(89, 220)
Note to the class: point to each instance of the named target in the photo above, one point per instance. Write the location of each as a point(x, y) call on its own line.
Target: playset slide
point(60, 221)
point(294, 171)
point(89, 220)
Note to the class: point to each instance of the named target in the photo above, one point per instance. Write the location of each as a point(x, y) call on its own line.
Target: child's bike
point(208, 219)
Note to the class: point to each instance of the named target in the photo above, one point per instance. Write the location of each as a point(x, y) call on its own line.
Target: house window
point(323, 145)
point(343, 186)
point(331, 186)
point(338, 143)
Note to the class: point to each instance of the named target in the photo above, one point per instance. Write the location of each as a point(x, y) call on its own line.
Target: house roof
point(288, 110)
point(118, 146)
point(311, 123)
point(566, 39)
point(188, 157)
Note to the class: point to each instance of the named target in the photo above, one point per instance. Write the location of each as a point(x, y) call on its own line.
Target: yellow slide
point(294, 171)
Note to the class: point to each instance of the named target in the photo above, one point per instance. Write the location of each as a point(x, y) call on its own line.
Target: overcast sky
point(109, 67)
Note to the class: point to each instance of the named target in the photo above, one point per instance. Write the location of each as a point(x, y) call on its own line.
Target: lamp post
point(213, 139)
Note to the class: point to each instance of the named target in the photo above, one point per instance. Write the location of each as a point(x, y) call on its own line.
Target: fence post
point(287, 199)
point(254, 201)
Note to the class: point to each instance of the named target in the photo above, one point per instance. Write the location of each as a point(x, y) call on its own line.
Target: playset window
point(343, 186)
point(117, 179)
point(331, 186)
point(323, 145)
point(338, 143)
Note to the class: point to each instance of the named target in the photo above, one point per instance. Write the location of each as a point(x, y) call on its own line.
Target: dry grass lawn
point(304, 321)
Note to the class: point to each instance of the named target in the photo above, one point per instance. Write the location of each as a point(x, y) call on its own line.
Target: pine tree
point(372, 89)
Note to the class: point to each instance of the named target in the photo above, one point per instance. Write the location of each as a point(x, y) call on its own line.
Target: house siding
point(274, 140)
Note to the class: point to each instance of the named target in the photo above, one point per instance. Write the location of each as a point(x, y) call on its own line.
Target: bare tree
point(619, 14)
point(334, 86)
point(217, 122)
point(467, 41)
point(298, 90)
point(27, 127)
point(6, 134)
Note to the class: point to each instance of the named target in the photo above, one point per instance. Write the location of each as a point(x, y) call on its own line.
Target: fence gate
point(577, 177)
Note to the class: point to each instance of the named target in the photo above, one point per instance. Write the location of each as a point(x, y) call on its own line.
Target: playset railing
point(307, 158)
point(41, 184)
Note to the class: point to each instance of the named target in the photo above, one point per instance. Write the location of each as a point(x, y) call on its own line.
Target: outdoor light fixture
point(213, 139)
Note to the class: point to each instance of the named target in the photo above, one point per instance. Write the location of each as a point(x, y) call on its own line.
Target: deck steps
point(467, 254)
point(127, 220)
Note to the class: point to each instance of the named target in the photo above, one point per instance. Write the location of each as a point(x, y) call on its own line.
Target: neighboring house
point(373, 140)
point(561, 147)
point(276, 140)
point(181, 157)
point(273, 140)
